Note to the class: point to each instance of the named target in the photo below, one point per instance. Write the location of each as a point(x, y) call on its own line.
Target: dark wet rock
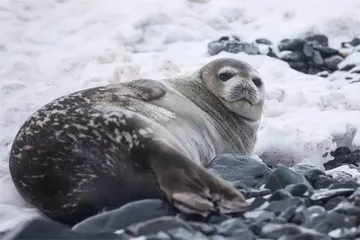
point(333, 202)
point(345, 233)
point(259, 201)
point(300, 66)
point(260, 215)
point(294, 57)
point(305, 169)
point(217, 219)
point(250, 48)
point(158, 236)
point(355, 42)
point(280, 206)
point(329, 193)
point(156, 225)
point(276, 231)
point(280, 195)
point(301, 215)
point(318, 39)
point(340, 152)
point(343, 177)
point(263, 41)
point(235, 228)
point(329, 221)
point(308, 50)
point(206, 229)
point(347, 67)
point(317, 58)
point(45, 229)
point(242, 171)
point(271, 53)
point(215, 47)
point(323, 182)
point(314, 70)
point(183, 234)
point(288, 214)
point(298, 189)
point(250, 193)
point(333, 61)
point(124, 216)
point(339, 160)
point(323, 74)
point(316, 210)
point(232, 44)
point(315, 176)
point(284, 176)
point(306, 236)
point(295, 44)
point(347, 184)
point(327, 51)
point(347, 208)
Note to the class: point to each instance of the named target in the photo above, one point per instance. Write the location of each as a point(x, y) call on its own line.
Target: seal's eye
point(257, 81)
point(226, 75)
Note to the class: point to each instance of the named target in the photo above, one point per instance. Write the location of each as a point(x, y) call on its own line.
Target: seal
point(103, 147)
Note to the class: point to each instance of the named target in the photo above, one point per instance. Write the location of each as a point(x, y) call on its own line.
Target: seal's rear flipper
point(190, 187)
point(147, 89)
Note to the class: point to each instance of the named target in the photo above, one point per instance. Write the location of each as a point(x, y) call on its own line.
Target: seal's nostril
point(257, 81)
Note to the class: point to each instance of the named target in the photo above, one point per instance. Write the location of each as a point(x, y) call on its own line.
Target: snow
point(51, 48)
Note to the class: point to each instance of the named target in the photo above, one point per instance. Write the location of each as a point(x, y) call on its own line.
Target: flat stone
point(236, 228)
point(45, 229)
point(134, 212)
point(156, 225)
point(240, 170)
point(328, 193)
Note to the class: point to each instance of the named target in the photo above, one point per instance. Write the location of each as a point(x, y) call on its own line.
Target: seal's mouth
point(239, 99)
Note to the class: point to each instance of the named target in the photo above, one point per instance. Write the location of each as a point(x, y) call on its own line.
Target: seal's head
point(238, 86)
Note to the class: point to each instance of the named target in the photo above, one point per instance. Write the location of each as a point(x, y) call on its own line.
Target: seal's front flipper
point(191, 188)
point(147, 89)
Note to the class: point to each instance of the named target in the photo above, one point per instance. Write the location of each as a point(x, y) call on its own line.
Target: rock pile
point(299, 202)
point(310, 55)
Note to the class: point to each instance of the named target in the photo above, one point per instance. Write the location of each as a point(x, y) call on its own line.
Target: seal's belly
point(182, 120)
